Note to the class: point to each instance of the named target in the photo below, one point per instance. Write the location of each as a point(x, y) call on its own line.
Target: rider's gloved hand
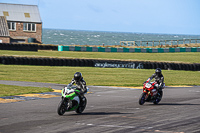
point(69, 85)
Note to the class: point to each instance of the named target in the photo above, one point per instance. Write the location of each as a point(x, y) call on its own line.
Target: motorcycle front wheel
point(82, 106)
point(62, 107)
point(142, 98)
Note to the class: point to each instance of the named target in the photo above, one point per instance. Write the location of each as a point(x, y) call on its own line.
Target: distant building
point(20, 23)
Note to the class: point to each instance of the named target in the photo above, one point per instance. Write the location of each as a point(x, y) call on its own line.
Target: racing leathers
point(81, 86)
point(159, 79)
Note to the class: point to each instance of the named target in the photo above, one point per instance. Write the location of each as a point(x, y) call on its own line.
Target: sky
point(136, 16)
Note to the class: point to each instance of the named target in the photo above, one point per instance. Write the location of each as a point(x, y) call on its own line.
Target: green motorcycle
point(70, 101)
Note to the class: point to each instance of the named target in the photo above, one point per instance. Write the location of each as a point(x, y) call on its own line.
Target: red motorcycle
point(150, 94)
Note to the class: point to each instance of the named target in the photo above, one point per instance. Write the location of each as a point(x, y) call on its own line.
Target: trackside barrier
point(47, 47)
point(44, 61)
point(121, 49)
point(27, 47)
point(18, 47)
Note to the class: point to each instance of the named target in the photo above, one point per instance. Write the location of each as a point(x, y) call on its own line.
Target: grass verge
point(186, 57)
point(94, 76)
point(10, 90)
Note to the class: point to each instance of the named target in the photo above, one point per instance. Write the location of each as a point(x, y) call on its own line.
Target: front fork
point(67, 103)
point(148, 95)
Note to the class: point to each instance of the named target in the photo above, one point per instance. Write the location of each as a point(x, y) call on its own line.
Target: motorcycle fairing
point(71, 96)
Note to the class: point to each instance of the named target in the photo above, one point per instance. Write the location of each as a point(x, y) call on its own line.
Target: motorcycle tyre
point(81, 108)
point(142, 98)
point(61, 107)
point(157, 101)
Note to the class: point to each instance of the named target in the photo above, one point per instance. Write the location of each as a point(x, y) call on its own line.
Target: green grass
point(187, 57)
point(94, 76)
point(10, 90)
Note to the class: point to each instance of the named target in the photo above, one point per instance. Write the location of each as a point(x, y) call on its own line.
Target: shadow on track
point(179, 104)
point(101, 113)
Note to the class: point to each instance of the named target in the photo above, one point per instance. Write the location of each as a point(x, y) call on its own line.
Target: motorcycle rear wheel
point(159, 97)
point(82, 106)
point(142, 98)
point(61, 107)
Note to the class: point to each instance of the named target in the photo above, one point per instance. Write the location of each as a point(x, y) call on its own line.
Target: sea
point(83, 37)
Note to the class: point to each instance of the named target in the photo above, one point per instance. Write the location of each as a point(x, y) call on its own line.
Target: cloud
point(95, 8)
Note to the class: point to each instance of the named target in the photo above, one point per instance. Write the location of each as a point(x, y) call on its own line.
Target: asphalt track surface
point(109, 110)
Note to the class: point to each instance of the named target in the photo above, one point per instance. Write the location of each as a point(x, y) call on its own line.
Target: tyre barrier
point(45, 61)
point(18, 47)
point(47, 47)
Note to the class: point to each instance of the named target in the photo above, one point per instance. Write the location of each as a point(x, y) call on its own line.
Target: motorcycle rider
point(159, 78)
point(80, 85)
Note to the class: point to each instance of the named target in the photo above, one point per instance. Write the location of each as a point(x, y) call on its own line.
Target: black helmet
point(77, 76)
point(158, 71)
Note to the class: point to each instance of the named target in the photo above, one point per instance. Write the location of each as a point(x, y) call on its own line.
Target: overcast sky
point(143, 16)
